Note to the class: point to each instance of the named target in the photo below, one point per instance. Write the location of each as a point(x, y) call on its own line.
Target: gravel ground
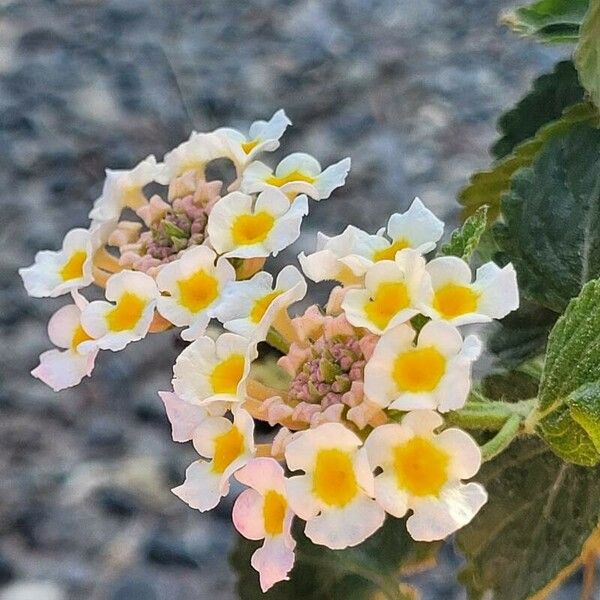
point(410, 89)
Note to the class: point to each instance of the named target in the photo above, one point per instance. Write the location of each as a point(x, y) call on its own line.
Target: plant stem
point(502, 440)
point(490, 416)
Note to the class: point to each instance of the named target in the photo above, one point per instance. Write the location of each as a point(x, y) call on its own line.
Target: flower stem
point(490, 416)
point(502, 440)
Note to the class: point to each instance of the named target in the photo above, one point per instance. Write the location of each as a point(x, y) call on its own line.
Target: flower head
point(249, 308)
point(228, 446)
point(113, 326)
point(334, 495)
point(262, 512)
point(298, 173)
point(240, 227)
point(194, 284)
point(56, 273)
point(422, 471)
point(65, 368)
point(210, 371)
point(454, 298)
point(433, 373)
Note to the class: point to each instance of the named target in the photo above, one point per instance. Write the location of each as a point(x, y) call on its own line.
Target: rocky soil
point(410, 89)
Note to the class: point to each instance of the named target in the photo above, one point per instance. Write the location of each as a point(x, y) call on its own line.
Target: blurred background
point(410, 89)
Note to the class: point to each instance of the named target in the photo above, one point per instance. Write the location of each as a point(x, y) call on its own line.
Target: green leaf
point(551, 229)
point(487, 187)
point(569, 399)
point(549, 21)
point(357, 573)
point(587, 55)
point(539, 514)
point(465, 239)
point(550, 95)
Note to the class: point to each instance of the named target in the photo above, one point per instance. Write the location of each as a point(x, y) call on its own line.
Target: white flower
point(262, 512)
point(56, 273)
point(229, 446)
point(456, 299)
point(185, 417)
point(62, 369)
point(297, 173)
point(249, 308)
point(194, 154)
point(208, 371)
point(334, 496)
point(113, 326)
point(391, 294)
point(194, 284)
point(263, 136)
point(125, 188)
point(422, 471)
point(238, 229)
point(348, 256)
point(435, 373)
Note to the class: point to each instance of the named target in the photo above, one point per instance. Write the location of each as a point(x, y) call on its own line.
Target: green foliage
point(357, 573)
point(464, 240)
point(550, 95)
point(487, 187)
point(551, 229)
point(539, 514)
point(549, 21)
point(587, 56)
point(569, 398)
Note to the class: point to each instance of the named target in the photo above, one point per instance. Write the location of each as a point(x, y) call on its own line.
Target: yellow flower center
point(247, 147)
point(251, 229)
point(228, 446)
point(389, 299)
point(126, 313)
point(198, 291)
point(334, 481)
point(79, 335)
point(261, 305)
point(421, 467)
point(274, 508)
point(453, 300)
point(419, 370)
point(289, 178)
point(227, 375)
point(389, 253)
point(73, 268)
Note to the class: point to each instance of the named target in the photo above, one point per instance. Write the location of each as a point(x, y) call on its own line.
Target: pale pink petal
point(273, 561)
point(247, 515)
point(183, 416)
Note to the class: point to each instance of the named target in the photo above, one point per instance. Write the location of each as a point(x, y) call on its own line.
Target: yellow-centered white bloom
point(391, 295)
point(55, 273)
point(348, 256)
point(249, 307)
point(422, 471)
point(237, 228)
point(65, 368)
point(454, 298)
point(210, 371)
point(194, 154)
point(262, 512)
point(433, 373)
point(194, 284)
point(263, 136)
point(113, 326)
point(229, 446)
point(334, 496)
point(297, 173)
point(125, 188)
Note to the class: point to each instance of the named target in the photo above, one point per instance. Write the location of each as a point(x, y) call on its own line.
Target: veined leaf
point(540, 512)
point(570, 388)
point(550, 95)
point(549, 21)
point(487, 187)
point(587, 55)
point(551, 229)
point(464, 240)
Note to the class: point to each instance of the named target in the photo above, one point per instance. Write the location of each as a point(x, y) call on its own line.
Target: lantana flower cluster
point(363, 383)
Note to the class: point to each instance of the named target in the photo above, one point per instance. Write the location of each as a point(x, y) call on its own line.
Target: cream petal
point(465, 453)
point(422, 422)
point(300, 497)
point(202, 489)
point(448, 269)
point(332, 178)
point(184, 417)
point(418, 225)
point(64, 369)
point(391, 498)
